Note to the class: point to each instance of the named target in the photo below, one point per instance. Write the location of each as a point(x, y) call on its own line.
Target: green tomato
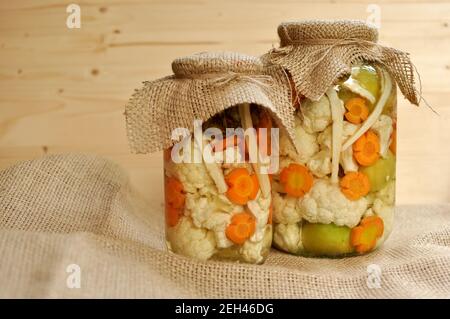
point(381, 172)
point(367, 77)
point(326, 239)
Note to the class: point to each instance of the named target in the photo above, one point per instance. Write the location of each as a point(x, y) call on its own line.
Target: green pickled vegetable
point(381, 172)
point(326, 239)
point(367, 77)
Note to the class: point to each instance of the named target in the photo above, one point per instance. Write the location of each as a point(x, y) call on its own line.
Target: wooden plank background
point(63, 90)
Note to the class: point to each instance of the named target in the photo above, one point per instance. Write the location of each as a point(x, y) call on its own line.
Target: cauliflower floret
point(193, 176)
point(384, 207)
point(254, 252)
point(288, 237)
point(259, 207)
point(325, 204)
point(320, 163)
point(305, 143)
point(285, 210)
point(383, 128)
point(188, 240)
point(387, 194)
point(213, 213)
point(316, 114)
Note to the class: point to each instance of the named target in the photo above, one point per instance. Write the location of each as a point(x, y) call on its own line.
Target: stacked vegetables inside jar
point(335, 195)
point(222, 209)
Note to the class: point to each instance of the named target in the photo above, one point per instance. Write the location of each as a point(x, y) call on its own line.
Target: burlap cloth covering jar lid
point(316, 53)
point(203, 85)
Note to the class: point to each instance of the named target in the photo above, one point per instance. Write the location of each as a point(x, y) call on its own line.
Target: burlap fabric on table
point(203, 85)
point(78, 209)
point(317, 53)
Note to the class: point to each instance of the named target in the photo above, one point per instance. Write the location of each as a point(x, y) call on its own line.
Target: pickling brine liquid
point(219, 210)
point(335, 193)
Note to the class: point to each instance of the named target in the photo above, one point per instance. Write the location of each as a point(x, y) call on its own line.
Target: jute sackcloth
point(65, 212)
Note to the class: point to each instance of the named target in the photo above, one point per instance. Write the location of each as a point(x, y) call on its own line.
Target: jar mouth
point(298, 31)
point(211, 63)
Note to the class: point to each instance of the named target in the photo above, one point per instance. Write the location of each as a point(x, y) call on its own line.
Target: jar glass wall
point(217, 210)
point(335, 193)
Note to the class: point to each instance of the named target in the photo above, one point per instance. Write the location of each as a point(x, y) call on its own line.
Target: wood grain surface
point(64, 90)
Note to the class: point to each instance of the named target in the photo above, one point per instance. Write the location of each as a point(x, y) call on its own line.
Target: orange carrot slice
point(296, 179)
point(172, 215)
point(366, 149)
point(174, 191)
point(355, 185)
point(175, 200)
point(241, 228)
point(357, 110)
point(265, 121)
point(393, 146)
point(364, 236)
point(242, 186)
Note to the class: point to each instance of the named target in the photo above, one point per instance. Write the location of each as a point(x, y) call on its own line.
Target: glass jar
point(335, 193)
point(218, 210)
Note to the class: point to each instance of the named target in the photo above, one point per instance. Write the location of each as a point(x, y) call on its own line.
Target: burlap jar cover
point(203, 85)
point(317, 53)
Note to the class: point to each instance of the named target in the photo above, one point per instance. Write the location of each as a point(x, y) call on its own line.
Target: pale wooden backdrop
point(64, 90)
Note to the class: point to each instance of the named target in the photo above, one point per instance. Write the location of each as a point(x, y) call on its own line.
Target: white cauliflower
point(254, 252)
point(383, 128)
point(188, 240)
point(316, 114)
point(285, 210)
point(193, 176)
point(384, 207)
point(288, 237)
point(259, 207)
point(325, 204)
point(213, 213)
point(305, 143)
point(320, 163)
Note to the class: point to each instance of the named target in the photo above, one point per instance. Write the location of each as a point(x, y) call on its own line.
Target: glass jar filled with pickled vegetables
point(334, 195)
point(210, 118)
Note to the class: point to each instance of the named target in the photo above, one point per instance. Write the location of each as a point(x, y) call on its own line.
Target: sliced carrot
point(175, 200)
point(296, 179)
point(393, 146)
point(174, 192)
point(172, 215)
point(242, 186)
point(241, 228)
point(357, 110)
point(366, 149)
point(168, 154)
point(355, 185)
point(265, 121)
point(364, 236)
